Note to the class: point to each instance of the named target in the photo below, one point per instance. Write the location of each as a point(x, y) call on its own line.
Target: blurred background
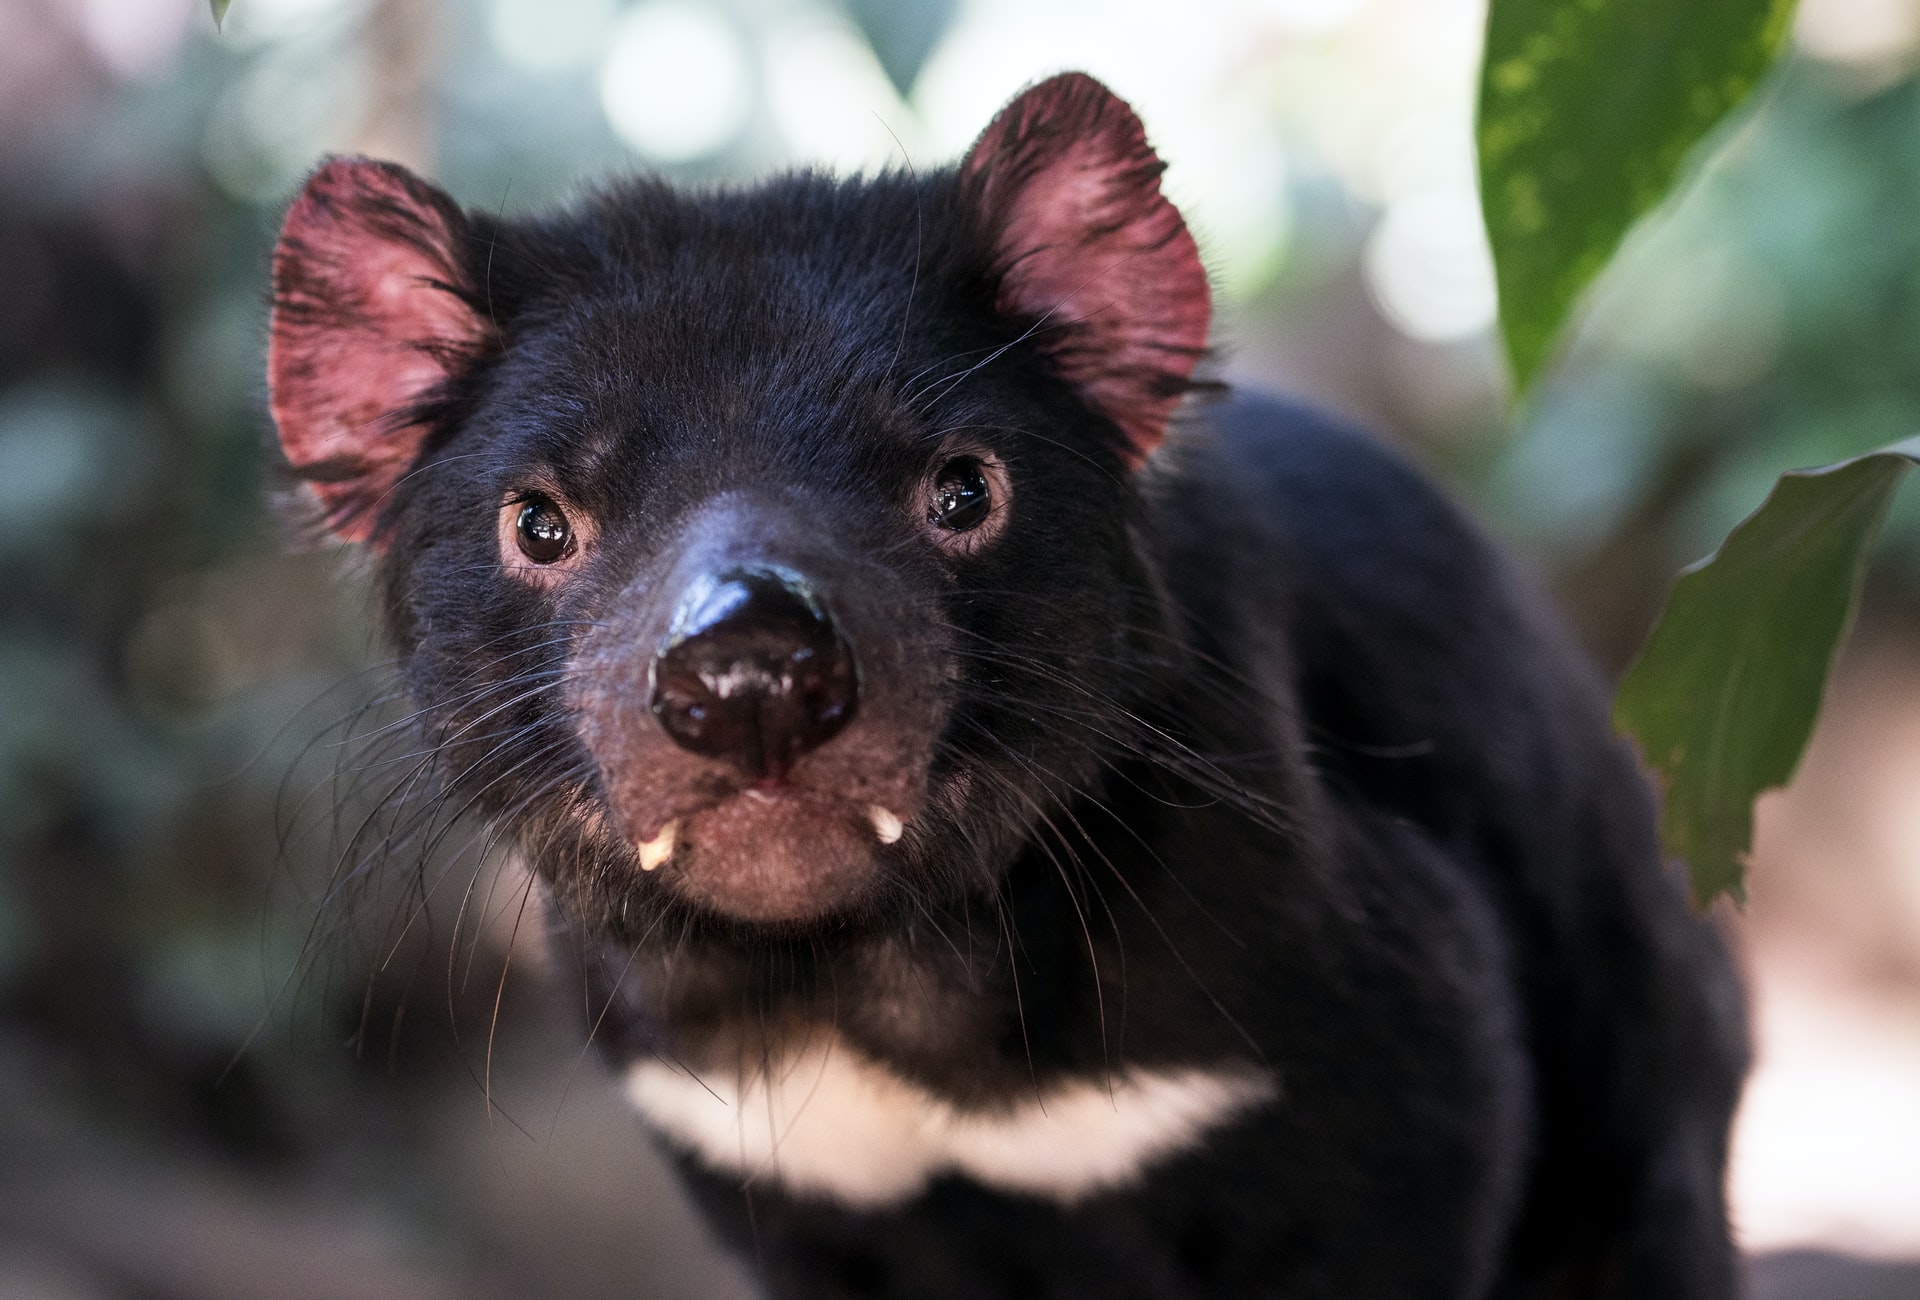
point(225, 1076)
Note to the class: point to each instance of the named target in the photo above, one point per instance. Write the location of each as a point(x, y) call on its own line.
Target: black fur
point(1260, 754)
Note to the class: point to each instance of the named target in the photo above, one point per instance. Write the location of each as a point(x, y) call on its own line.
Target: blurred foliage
point(1587, 112)
point(1724, 696)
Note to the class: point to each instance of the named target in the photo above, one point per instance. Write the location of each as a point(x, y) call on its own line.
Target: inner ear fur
point(1090, 254)
point(374, 318)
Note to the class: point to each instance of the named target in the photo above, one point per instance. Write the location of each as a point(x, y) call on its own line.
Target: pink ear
point(1088, 247)
point(371, 318)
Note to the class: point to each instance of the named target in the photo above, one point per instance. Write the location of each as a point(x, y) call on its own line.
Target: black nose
point(754, 671)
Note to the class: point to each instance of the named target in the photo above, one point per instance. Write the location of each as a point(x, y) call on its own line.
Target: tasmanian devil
point(1031, 824)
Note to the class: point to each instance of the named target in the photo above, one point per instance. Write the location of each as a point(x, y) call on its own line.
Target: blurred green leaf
point(903, 33)
point(219, 11)
point(1724, 695)
point(1587, 110)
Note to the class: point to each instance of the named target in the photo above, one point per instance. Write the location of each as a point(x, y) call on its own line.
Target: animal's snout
point(755, 671)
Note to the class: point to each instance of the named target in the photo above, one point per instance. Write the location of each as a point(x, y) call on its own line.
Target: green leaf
point(1587, 110)
point(220, 11)
point(1725, 692)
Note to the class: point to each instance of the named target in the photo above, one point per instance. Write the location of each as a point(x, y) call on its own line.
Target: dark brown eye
point(961, 497)
point(544, 533)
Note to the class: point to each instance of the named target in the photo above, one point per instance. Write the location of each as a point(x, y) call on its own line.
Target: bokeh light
point(1429, 266)
point(677, 83)
point(551, 35)
point(832, 101)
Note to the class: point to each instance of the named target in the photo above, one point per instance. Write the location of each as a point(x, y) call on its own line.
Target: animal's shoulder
point(1291, 498)
point(1432, 675)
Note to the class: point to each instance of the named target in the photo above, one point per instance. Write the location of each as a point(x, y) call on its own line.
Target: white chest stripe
point(829, 1120)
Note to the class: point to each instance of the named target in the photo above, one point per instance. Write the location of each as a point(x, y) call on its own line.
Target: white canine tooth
point(659, 848)
point(885, 824)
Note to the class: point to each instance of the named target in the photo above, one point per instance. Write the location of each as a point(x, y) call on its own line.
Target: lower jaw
point(772, 858)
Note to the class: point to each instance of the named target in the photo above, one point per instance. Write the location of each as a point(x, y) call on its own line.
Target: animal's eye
point(962, 498)
point(543, 531)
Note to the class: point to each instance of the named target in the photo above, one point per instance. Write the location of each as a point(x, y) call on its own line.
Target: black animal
point(1015, 855)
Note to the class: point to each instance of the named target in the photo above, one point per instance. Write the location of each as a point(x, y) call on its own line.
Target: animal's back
point(1436, 686)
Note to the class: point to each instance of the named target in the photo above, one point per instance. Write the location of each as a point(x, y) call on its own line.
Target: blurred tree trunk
point(401, 44)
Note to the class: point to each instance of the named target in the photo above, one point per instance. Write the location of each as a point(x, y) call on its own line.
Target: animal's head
point(768, 554)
